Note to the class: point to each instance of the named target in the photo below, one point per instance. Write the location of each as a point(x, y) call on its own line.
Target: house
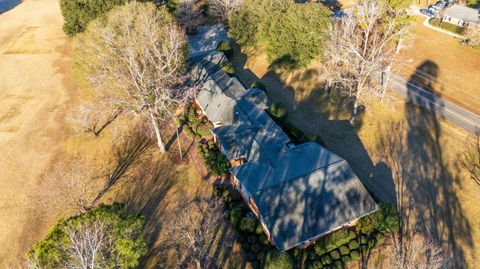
point(298, 192)
point(462, 16)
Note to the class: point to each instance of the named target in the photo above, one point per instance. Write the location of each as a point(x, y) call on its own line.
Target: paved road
point(451, 112)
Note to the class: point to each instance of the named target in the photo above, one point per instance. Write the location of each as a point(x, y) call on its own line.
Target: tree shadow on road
point(426, 180)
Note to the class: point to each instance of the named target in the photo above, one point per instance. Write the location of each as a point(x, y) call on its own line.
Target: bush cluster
point(216, 163)
point(227, 66)
point(251, 237)
point(278, 111)
point(194, 125)
point(339, 248)
point(226, 48)
point(292, 34)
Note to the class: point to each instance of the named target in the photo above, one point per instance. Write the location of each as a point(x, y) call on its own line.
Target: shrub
point(379, 238)
point(344, 250)
point(78, 13)
point(225, 47)
point(326, 260)
point(295, 132)
point(313, 138)
point(247, 225)
point(338, 264)
point(355, 254)
point(386, 219)
point(365, 225)
point(258, 85)
point(217, 164)
point(250, 256)
point(235, 215)
point(263, 240)
point(335, 254)
point(246, 247)
point(311, 253)
point(372, 243)
point(195, 125)
point(259, 229)
point(363, 239)
point(346, 259)
point(241, 239)
point(251, 239)
point(278, 260)
point(353, 244)
point(256, 248)
point(317, 264)
point(278, 111)
point(228, 68)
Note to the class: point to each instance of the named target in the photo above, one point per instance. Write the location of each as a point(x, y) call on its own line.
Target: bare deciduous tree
point(221, 9)
point(192, 229)
point(416, 253)
point(93, 117)
point(89, 246)
point(361, 47)
point(471, 158)
point(473, 35)
point(134, 60)
point(188, 14)
point(72, 185)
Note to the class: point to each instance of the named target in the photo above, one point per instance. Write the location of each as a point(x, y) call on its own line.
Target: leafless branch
point(360, 49)
point(416, 253)
point(135, 62)
point(221, 9)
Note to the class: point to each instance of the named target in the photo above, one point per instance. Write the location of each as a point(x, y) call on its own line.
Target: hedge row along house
point(298, 192)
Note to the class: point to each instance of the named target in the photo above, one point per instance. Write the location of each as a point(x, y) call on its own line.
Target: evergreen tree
point(105, 237)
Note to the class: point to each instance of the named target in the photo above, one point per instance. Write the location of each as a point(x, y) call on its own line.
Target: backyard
point(401, 153)
point(453, 67)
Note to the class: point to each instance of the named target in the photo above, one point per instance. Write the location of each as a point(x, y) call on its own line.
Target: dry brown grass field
point(454, 69)
point(401, 153)
point(37, 98)
point(35, 93)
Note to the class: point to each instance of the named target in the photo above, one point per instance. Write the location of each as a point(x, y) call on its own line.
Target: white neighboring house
point(462, 16)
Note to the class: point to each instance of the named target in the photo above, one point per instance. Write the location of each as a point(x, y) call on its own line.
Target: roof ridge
point(301, 176)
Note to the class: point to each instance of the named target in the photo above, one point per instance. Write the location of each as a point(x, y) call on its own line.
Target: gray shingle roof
point(463, 13)
point(301, 192)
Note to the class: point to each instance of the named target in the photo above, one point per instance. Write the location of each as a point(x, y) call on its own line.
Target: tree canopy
point(105, 237)
point(292, 34)
point(78, 13)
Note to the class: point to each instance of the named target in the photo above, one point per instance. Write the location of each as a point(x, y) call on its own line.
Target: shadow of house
point(299, 193)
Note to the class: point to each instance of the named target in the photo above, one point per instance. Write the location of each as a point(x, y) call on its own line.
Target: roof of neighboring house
point(301, 192)
point(206, 40)
point(463, 13)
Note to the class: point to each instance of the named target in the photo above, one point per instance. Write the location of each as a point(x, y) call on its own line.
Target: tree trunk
point(156, 127)
point(399, 45)
point(354, 113)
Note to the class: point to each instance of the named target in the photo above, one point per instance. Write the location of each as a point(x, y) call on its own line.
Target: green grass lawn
point(447, 26)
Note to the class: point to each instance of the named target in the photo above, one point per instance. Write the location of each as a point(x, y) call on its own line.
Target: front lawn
point(447, 26)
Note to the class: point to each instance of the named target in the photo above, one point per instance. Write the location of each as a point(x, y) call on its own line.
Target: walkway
point(427, 24)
